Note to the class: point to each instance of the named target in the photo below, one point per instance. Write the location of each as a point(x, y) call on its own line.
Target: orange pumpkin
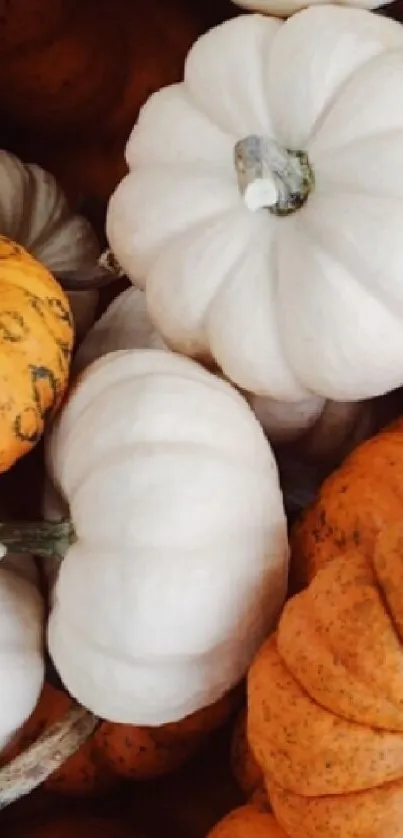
point(325, 693)
point(36, 339)
point(357, 502)
point(119, 751)
point(77, 826)
point(248, 822)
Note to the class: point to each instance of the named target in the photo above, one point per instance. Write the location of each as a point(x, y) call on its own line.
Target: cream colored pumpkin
point(124, 325)
point(22, 664)
point(327, 430)
point(180, 565)
point(284, 266)
point(284, 8)
point(34, 212)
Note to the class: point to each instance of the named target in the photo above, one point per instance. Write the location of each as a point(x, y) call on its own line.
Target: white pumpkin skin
point(328, 430)
point(180, 568)
point(284, 8)
point(310, 304)
point(124, 325)
point(34, 212)
point(22, 620)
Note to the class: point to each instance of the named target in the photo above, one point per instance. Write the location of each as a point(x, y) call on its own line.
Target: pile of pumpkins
point(259, 229)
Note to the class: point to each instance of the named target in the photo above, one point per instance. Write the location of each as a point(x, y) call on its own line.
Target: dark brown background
point(73, 75)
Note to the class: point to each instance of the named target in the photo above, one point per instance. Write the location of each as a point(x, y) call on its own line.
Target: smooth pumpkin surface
point(36, 339)
point(248, 822)
point(120, 751)
point(357, 502)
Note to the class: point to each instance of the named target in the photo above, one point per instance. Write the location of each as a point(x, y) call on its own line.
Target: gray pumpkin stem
point(51, 750)
point(47, 539)
point(272, 177)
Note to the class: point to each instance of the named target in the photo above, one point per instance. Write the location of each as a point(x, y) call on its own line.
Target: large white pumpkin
point(34, 212)
point(21, 644)
point(180, 565)
point(283, 8)
point(284, 266)
point(327, 430)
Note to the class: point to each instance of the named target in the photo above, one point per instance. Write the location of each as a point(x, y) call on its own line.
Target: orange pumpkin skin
point(357, 502)
point(119, 751)
point(78, 826)
point(36, 340)
point(245, 769)
point(325, 698)
point(248, 822)
point(376, 813)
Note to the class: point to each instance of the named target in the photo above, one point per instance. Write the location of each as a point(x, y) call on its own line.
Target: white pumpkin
point(180, 565)
point(328, 429)
point(34, 212)
point(21, 644)
point(284, 266)
point(124, 325)
point(284, 8)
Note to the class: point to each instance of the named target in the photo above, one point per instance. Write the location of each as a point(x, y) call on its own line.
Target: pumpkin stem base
point(94, 277)
point(272, 177)
point(42, 538)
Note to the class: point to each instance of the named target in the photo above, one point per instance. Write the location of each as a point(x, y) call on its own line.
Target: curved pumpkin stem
point(59, 742)
point(94, 277)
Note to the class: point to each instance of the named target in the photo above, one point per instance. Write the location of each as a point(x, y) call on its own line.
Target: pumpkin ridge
point(355, 73)
point(367, 686)
point(366, 574)
point(338, 714)
point(307, 747)
point(386, 606)
point(321, 238)
point(388, 586)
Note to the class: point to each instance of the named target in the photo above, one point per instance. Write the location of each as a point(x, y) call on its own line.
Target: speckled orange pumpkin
point(119, 751)
point(248, 822)
point(36, 339)
point(358, 501)
point(325, 719)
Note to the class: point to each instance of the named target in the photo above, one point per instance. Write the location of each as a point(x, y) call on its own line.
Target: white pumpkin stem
point(97, 276)
point(53, 748)
point(272, 177)
point(42, 538)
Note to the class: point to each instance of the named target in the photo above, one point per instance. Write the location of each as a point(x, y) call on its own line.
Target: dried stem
point(49, 539)
point(272, 177)
point(93, 277)
point(59, 742)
